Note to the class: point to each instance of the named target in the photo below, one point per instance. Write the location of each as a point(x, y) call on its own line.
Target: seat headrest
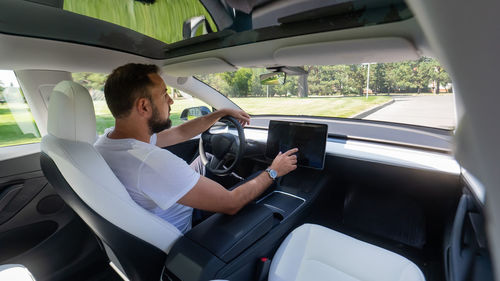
point(71, 113)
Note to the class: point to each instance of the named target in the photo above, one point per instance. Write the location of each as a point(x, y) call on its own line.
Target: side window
point(94, 82)
point(17, 125)
point(182, 101)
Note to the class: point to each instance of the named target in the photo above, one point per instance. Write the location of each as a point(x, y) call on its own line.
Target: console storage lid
point(228, 236)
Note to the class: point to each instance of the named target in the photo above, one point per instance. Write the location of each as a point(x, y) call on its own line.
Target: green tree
point(353, 79)
point(378, 81)
point(340, 75)
point(256, 88)
point(94, 81)
point(238, 82)
point(438, 76)
point(2, 99)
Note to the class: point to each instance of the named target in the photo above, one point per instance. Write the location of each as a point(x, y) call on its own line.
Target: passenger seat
point(313, 252)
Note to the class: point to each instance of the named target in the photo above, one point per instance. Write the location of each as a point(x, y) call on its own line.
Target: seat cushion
point(15, 272)
point(313, 252)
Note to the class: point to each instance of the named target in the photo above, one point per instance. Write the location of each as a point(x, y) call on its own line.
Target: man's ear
point(143, 107)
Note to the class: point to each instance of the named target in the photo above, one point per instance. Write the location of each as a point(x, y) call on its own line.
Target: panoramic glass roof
point(159, 19)
point(169, 28)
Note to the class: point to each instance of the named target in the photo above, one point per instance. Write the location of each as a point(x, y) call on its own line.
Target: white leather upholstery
point(69, 142)
point(313, 252)
point(15, 272)
point(71, 113)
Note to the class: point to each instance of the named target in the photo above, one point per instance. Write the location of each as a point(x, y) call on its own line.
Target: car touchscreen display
point(309, 138)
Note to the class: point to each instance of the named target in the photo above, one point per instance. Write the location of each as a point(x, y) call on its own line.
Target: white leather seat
point(313, 252)
point(69, 145)
point(15, 272)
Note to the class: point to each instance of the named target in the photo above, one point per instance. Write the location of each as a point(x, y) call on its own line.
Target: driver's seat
point(135, 240)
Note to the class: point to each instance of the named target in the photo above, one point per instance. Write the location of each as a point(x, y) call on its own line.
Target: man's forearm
point(250, 190)
point(189, 129)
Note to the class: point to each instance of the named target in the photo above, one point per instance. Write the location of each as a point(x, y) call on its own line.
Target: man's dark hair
point(125, 85)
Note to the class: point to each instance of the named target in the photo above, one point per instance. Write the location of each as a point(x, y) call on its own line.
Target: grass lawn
point(317, 106)
point(162, 20)
point(12, 134)
point(19, 128)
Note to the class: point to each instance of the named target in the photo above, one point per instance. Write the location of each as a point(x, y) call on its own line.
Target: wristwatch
point(272, 173)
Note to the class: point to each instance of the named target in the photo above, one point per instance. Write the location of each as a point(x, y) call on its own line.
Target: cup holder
point(282, 204)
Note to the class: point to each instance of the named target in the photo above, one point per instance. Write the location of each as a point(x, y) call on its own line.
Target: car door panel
point(466, 252)
point(35, 222)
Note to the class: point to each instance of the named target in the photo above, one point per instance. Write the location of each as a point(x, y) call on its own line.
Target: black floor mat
point(392, 216)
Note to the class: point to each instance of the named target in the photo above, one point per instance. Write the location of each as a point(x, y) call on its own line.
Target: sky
point(7, 77)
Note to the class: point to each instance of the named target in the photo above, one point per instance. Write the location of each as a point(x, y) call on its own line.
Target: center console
point(231, 247)
point(218, 242)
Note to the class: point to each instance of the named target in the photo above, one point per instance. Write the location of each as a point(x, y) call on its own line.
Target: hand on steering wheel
point(224, 147)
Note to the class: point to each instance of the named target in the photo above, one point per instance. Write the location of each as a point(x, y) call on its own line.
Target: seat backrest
point(135, 240)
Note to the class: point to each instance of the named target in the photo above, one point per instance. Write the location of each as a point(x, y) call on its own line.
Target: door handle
point(8, 194)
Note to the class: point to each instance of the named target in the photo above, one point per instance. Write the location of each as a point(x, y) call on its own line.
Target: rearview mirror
point(195, 26)
point(194, 112)
point(273, 78)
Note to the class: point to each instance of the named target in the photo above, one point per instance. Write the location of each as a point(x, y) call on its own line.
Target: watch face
point(273, 173)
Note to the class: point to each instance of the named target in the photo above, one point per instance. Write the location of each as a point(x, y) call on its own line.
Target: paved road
point(427, 110)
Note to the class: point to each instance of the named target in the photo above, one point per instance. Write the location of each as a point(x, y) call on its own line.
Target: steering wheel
point(224, 147)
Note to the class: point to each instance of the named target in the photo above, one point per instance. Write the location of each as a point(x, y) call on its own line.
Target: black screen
point(309, 138)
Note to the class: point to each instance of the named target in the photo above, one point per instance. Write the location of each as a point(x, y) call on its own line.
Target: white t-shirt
point(155, 178)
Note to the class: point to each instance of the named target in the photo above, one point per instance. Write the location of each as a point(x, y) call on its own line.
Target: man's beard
point(156, 124)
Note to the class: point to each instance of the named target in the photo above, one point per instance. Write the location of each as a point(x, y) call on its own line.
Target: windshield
point(411, 92)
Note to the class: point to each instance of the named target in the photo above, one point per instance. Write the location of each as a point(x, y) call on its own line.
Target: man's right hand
point(210, 196)
point(286, 162)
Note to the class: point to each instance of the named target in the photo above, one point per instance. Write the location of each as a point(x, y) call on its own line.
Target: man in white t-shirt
point(156, 179)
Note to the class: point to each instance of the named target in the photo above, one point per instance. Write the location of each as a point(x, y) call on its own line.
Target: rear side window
point(17, 125)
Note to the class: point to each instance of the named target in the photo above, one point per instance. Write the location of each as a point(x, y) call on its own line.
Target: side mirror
point(273, 78)
point(195, 26)
point(194, 112)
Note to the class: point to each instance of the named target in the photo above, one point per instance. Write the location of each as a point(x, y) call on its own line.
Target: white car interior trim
point(404, 157)
point(198, 66)
point(37, 85)
point(14, 151)
point(355, 51)
point(35, 53)
point(200, 90)
point(261, 54)
point(380, 153)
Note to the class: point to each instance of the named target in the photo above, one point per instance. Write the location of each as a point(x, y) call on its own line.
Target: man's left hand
point(240, 115)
